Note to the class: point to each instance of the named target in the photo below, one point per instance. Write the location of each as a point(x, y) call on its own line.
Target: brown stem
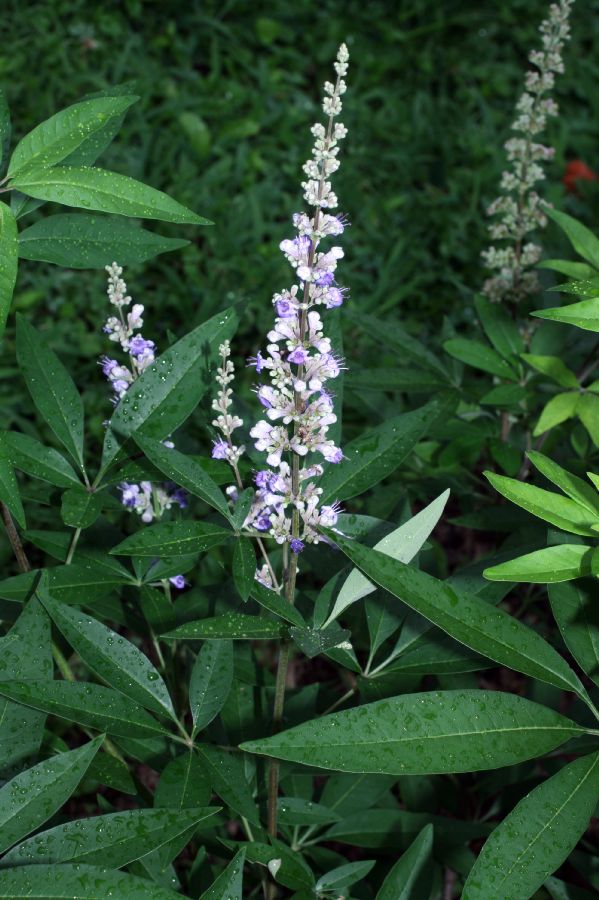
point(15, 540)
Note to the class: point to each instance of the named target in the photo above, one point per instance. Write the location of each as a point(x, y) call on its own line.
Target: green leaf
point(410, 871)
point(479, 356)
point(554, 367)
point(111, 657)
point(424, 734)
point(229, 884)
point(587, 411)
point(559, 409)
point(80, 508)
point(582, 239)
point(552, 564)
point(9, 489)
point(228, 778)
point(52, 388)
point(31, 798)
point(210, 683)
point(562, 512)
point(570, 484)
point(297, 811)
point(24, 653)
point(34, 459)
point(86, 704)
point(276, 604)
point(500, 327)
point(244, 566)
point(344, 876)
point(116, 839)
point(172, 539)
point(537, 836)
point(314, 641)
point(52, 141)
point(403, 544)
point(243, 504)
point(9, 261)
point(293, 871)
point(63, 882)
point(230, 626)
point(81, 241)
point(576, 270)
point(169, 390)
point(5, 127)
point(396, 338)
point(185, 472)
point(93, 188)
point(484, 628)
point(576, 612)
point(438, 655)
point(584, 314)
point(377, 453)
point(80, 583)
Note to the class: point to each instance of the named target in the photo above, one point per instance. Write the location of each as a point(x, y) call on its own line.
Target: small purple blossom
point(178, 581)
point(285, 309)
point(219, 449)
point(138, 346)
point(299, 356)
point(296, 545)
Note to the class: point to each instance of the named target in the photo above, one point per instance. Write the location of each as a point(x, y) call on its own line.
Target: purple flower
point(178, 581)
point(263, 396)
point(334, 297)
point(138, 346)
point(262, 478)
point(262, 523)
point(129, 494)
point(298, 356)
point(219, 450)
point(296, 545)
point(180, 496)
point(325, 279)
point(285, 309)
point(257, 361)
point(108, 365)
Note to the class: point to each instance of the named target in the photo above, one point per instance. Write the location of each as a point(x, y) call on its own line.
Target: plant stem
point(73, 546)
point(15, 540)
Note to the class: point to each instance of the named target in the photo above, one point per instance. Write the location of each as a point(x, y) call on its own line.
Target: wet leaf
point(427, 733)
point(233, 626)
point(244, 566)
point(64, 882)
point(210, 683)
point(34, 459)
point(9, 261)
point(173, 539)
point(229, 884)
point(411, 873)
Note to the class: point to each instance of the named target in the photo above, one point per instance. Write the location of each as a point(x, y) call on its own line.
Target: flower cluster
point(149, 501)
point(518, 210)
point(226, 422)
point(299, 360)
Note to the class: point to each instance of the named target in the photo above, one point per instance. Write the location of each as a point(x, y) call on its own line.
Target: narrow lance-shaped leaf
point(185, 472)
point(537, 836)
point(559, 511)
point(89, 705)
point(230, 626)
point(484, 628)
point(576, 612)
point(81, 241)
point(9, 489)
point(9, 261)
point(5, 128)
point(52, 388)
point(378, 452)
point(227, 775)
point(403, 544)
point(119, 662)
point(52, 141)
point(173, 539)
point(116, 839)
point(41, 462)
point(406, 878)
point(547, 566)
point(94, 188)
point(229, 884)
point(210, 683)
point(168, 390)
point(424, 734)
point(582, 238)
point(244, 566)
point(64, 882)
point(31, 798)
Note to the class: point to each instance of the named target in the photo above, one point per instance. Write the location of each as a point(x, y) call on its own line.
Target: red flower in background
point(577, 171)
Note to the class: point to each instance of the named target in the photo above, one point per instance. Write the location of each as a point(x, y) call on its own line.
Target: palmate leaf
point(9, 261)
point(53, 140)
point(94, 188)
point(537, 836)
point(482, 627)
point(64, 882)
point(116, 839)
point(31, 798)
point(81, 241)
point(424, 734)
